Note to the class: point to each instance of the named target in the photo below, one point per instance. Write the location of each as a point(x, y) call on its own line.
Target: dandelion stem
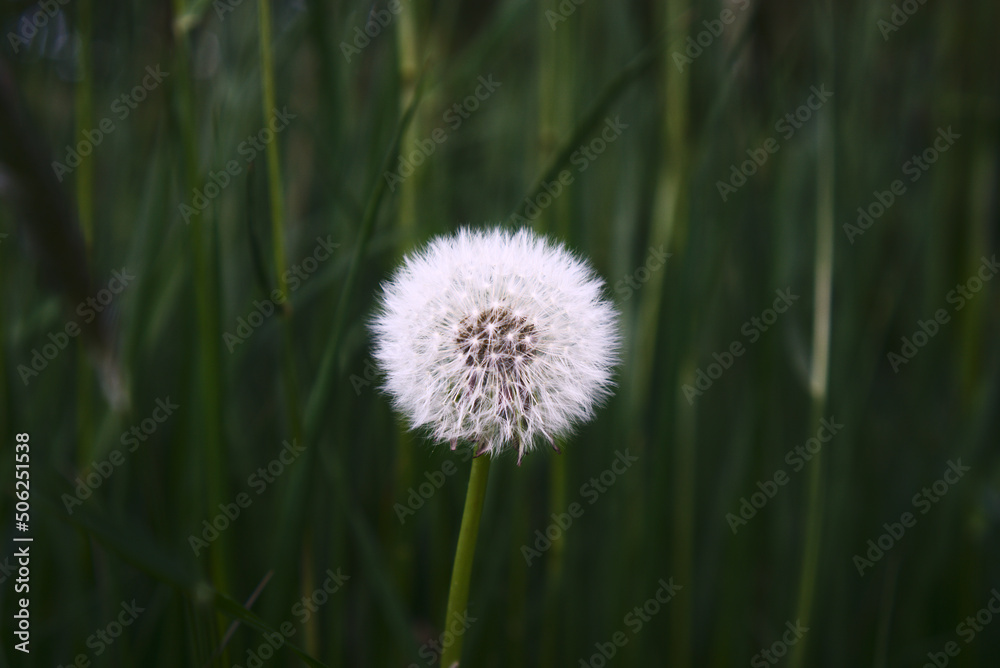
point(458, 593)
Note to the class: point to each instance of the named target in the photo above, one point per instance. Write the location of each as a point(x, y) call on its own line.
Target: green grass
point(300, 376)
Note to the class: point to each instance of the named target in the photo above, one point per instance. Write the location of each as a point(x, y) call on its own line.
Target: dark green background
point(305, 374)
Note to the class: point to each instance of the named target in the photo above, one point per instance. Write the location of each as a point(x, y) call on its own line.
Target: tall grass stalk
point(208, 443)
point(668, 230)
point(323, 390)
point(408, 49)
point(275, 189)
point(819, 368)
point(276, 199)
point(84, 111)
point(670, 199)
point(556, 96)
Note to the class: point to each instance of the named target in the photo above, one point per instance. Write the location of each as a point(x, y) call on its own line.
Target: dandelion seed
point(496, 338)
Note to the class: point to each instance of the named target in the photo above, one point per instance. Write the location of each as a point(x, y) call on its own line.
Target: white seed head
point(495, 338)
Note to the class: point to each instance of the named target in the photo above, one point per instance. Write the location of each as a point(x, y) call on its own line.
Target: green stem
point(210, 430)
point(276, 198)
point(555, 119)
point(458, 593)
point(273, 167)
point(555, 566)
point(85, 121)
point(85, 209)
point(819, 372)
point(671, 209)
point(409, 70)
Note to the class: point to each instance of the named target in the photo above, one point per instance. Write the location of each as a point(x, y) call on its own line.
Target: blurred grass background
point(304, 374)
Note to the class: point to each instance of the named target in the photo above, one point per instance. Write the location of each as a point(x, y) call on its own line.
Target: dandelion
point(496, 338)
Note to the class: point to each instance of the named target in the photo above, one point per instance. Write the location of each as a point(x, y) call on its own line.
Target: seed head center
point(496, 339)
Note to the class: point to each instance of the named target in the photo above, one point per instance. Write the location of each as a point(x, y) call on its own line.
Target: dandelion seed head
point(495, 338)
